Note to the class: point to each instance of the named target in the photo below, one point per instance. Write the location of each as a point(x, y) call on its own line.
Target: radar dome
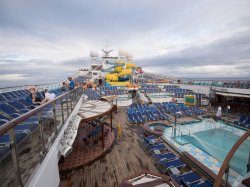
point(93, 53)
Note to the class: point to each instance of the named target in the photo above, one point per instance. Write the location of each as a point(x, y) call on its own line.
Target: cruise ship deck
point(95, 142)
point(126, 157)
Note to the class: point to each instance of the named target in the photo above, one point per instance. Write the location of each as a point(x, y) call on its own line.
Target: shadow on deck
point(126, 157)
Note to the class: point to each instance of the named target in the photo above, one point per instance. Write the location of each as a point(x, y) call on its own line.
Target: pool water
point(217, 143)
point(215, 139)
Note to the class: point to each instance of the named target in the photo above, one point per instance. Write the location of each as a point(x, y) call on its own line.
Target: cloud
point(13, 77)
point(223, 57)
point(47, 40)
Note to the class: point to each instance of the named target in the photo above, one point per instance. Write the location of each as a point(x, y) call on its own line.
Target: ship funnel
point(122, 53)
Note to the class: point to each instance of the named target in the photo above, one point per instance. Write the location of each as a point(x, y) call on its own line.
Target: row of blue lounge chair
point(143, 112)
point(177, 90)
point(18, 94)
point(114, 92)
point(140, 113)
point(10, 96)
point(108, 88)
point(166, 161)
point(170, 86)
point(94, 94)
point(244, 121)
point(150, 88)
point(13, 109)
point(173, 108)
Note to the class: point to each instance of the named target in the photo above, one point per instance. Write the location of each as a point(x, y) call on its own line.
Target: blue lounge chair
point(165, 157)
point(27, 127)
point(190, 178)
point(5, 139)
point(148, 139)
point(205, 183)
point(151, 147)
point(173, 163)
point(18, 106)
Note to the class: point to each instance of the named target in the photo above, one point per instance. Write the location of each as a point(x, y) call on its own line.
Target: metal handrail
point(182, 127)
point(225, 166)
point(9, 125)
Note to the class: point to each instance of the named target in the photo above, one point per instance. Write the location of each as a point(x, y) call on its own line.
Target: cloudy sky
point(45, 41)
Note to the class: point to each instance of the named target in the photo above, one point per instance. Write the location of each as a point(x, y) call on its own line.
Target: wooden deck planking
point(126, 158)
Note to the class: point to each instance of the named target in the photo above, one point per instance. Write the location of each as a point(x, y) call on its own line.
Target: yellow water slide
point(125, 72)
point(130, 65)
point(111, 77)
point(118, 69)
point(119, 83)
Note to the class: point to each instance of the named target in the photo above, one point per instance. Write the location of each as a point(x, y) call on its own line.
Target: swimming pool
point(212, 139)
point(217, 143)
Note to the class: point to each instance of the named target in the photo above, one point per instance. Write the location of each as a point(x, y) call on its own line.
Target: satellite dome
point(93, 53)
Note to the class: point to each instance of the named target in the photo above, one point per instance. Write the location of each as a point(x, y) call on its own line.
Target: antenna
point(106, 49)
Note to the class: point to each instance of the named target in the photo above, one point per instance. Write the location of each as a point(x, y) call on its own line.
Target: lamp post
point(228, 109)
point(198, 97)
point(201, 100)
point(175, 122)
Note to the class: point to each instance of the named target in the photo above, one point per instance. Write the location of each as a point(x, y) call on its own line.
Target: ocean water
point(221, 78)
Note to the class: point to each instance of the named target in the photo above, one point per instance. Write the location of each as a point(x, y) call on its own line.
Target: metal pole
point(14, 156)
point(41, 132)
point(198, 96)
point(175, 120)
point(74, 99)
point(67, 105)
point(227, 116)
point(62, 110)
point(54, 114)
point(201, 100)
point(70, 94)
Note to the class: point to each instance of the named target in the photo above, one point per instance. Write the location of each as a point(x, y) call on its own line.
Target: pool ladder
point(179, 131)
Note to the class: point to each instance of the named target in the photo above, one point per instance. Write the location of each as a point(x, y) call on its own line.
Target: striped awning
point(93, 108)
point(233, 94)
